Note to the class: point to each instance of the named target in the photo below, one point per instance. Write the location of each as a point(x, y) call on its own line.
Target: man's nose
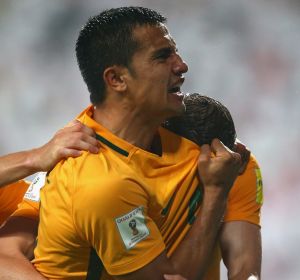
point(180, 66)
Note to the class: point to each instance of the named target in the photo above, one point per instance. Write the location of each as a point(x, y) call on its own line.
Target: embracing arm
point(241, 249)
point(65, 143)
point(190, 258)
point(17, 239)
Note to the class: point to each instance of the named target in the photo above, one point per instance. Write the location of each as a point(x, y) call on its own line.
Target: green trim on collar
point(111, 145)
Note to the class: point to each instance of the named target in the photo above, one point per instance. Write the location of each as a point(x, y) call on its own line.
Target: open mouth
point(174, 90)
point(175, 94)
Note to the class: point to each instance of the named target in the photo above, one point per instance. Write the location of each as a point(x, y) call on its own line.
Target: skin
point(241, 253)
point(134, 107)
point(128, 111)
point(17, 244)
point(67, 142)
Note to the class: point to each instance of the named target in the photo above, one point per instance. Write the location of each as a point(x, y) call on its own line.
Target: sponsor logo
point(259, 187)
point(132, 227)
point(33, 191)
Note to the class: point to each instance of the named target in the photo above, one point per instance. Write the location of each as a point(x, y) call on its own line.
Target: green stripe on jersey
point(111, 145)
point(95, 266)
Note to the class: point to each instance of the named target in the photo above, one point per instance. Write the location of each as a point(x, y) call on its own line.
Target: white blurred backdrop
point(244, 53)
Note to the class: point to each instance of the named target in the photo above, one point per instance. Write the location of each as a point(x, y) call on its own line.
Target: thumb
point(218, 147)
point(205, 153)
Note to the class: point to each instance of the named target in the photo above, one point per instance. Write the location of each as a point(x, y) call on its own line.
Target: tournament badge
point(132, 227)
point(33, 191)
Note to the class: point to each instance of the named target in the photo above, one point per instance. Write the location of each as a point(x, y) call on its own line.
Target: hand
point(219, 169)
point(67, 142)
point(241, 148)
point(174, 277)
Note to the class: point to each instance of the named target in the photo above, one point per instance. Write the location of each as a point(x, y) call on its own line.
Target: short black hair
point(204, 119)
point(106, 40)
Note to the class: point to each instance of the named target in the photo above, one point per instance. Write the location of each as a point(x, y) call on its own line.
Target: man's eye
point(164, 56)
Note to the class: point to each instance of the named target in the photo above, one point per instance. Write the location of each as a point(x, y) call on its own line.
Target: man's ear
point(114, 78)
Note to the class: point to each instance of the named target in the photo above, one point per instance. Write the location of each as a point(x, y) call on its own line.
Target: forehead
point(152, 37)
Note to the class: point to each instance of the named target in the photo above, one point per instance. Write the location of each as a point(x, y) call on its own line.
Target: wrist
point(214, 203)
point(32, 161)
point(217, 193)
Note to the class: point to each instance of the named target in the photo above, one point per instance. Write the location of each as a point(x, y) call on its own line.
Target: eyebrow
point(162, 52)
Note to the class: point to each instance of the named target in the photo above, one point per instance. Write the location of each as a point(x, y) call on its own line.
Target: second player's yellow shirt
point(10, 196)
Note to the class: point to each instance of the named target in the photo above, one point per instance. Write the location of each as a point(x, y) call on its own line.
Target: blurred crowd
point(243, 53)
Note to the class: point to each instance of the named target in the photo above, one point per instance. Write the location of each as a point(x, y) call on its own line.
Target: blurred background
point(244, 53)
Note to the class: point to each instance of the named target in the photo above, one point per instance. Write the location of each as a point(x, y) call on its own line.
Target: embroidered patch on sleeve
point(132, 227)
point(33, 191)
point(259, 187)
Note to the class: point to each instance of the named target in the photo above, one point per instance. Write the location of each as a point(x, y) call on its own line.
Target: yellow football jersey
point(116, 211)
point(126, 203)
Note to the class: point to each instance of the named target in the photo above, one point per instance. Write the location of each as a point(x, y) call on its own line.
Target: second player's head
point(204, 119)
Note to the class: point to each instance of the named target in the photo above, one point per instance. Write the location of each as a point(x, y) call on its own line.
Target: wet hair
point(204, 119)
point(106, 40)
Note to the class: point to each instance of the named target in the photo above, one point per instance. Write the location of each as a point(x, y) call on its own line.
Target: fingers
point(72, 123)
point(218, 166)
point(205, 153)
point(221, 150)
point(77, 126)
point(77, 136)
point(70, 153)
point(83, 142)
point(240, 148)
point(218, 147)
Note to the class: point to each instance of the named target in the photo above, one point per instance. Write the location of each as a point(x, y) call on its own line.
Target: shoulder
point(174, 143)
point(109, 190)
point(246, 196)
point(247, 182)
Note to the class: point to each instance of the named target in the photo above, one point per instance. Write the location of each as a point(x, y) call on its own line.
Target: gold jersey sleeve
point(30, 204)
point(119, 227)
point(246, 196)
point(10, 196)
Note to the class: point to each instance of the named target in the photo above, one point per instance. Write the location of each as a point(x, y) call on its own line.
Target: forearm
point(16, 166)
point(241, 249)
point(193, 254)
point(17, 240)
point(17, 267)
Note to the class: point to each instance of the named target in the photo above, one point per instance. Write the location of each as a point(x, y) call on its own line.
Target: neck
point(130, 125)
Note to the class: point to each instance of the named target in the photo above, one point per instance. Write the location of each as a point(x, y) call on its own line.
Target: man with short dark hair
point(143, 172)
point(133, 71)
